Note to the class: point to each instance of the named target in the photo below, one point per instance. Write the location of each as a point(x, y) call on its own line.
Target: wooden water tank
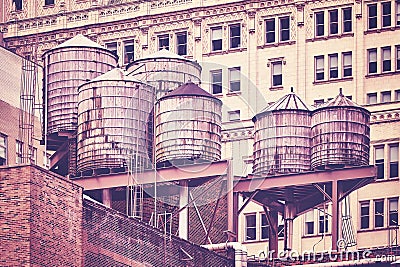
point(340, 134)
point(282, 137)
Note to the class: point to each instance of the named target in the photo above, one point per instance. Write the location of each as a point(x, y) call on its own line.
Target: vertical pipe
point(229, 195)
point(184, 214)
point(335, 215)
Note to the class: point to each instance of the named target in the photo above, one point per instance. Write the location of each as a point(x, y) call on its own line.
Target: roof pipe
point(240, 251)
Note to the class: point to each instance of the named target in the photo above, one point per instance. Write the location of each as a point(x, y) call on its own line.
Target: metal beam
point(323, 191)
point(253, 194)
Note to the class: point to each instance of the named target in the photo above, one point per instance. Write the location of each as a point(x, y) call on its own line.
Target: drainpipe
point(240, 251)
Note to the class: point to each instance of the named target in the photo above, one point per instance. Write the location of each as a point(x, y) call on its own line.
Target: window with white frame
point(3, 150)
point(112, 47)
point(250, 227)
point(319, 23)
point(372, 98)
point(309, 222)
point(18, 4)
point(234, 36)
point(386, 59)
point(323, 222)
point(398, 57)
point(397, 3)
point(46, 159)
point(386, 14)
point(216, 39)
point(364, 215)
point(234, 115)
point(380, 162)
point(163, 42)
point(347, 20)
point(277, 73)
point(372, 16)
point(394, 160)
point(33, 154)
point(347, 64)
point(333, 66)
point(277, 29)
point(181, 43)
point(264, 227)
point(386, 96)
point(234, 79)
point(319, 68)
point(397, 95)
point(378, 213)
point(18, 151)
point(333, 22)
point(48, 2)
point(128, 51)
point(393, 204)
point(372, 61)
point(216, 81)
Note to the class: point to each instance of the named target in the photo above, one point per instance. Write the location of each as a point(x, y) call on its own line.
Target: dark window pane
point(386, 65)
point(365, 222)
point(277, 80)
point(393, 219)
point(18, 4)
point(394, 169)
point(348, 72)
point(216, 45)
point(270, 31)
point(372, 66)
point(334, 73)
point(310, 228)
point(182, 44)
point(379, 166)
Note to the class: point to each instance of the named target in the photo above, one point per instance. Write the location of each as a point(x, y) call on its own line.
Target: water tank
point(113, 111)
point(67, 66)
point(340, 134)
point(165, 71)
point(282, 137)
point(188, 126)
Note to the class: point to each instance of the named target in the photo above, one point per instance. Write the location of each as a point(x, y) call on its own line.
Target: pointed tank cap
point(190, 89)
point(115, 74)
point(290, 101)
point(164, 53)
point(340, 101)
point(79, 41)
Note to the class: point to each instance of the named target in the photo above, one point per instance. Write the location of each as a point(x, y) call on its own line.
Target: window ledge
point(374, 229)
point(386, 29)
point(386, 179)
point(276, 44)
point(383, 74)
point(316, 235)
point(220, 95)
point(276, 88)
point(334, 80)
point(224, 52)
point(328, 37)
point(49, 6)
point(234, 93)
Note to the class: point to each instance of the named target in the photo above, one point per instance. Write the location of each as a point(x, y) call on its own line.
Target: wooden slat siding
point(282, 142)
point(65, 69)
point(340, 136)
point(112, 123)
point(187, 127)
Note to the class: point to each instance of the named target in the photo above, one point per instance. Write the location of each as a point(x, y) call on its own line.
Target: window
point(397, 57)
point(372, 16)
point(18, 151)
point(397, 13)
point(3, 150)
point(163, 42)
point(372, 61)
point(46, 160)
point(33, 154)
point(270, 31)
point(386, 14)
point(386, 62)
point(284, 32)
point(112, 47)
point(397, 95)
point(394, 161)
point(364, 215)
point(379, 162)
point(372, 98)
point(128, 52)
point(309, 222)
point(264, 227)
point(347, 20)
point(386, 96)
point(234, 36)
point(333, 66)
point(323, 222)
point(378, 214)
point(277, 73)
point(319, 23)
point(234, 79)
point(234, 115)
point(18, 4)
point(333, 22)
point(216, 39)
point(347, 65)
point(319, 68)
point(216, 81)
point(181, 40)
point(250, 227)
point(48, 2)
point(393, 212)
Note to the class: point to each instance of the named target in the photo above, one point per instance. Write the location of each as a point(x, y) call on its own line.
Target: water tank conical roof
point(79, 41)
point(189, 89)
point(282, 137)
point(164, 53)
point(116, 74)
point(340, 134)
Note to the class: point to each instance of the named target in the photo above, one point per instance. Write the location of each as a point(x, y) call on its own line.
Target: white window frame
point(110, 46)
point(309, 217)
point(369, 17)
point(281, 29)
point(319, 25)
point(393, 209)
point(331, 59)
point(234, 80)
point(212, 73)
point(350, 20)
point(379, 214)
point(161, 38)
point(386, 57)
point(319, 69)
point(332, 23)
point(4, 147)
point(178, 45)
point(346, 66)
point(389, 3)
point(129, 56)
point(215, 38)
point(371, 96)
point(246, 227)
point(262, 215)
point(276, 74)
point(370, 61)
point(361, 205)
point(231, 38)
point(18, 151)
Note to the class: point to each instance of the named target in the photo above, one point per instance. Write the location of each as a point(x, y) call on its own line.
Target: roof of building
point(79, 41)
point(189, 89)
